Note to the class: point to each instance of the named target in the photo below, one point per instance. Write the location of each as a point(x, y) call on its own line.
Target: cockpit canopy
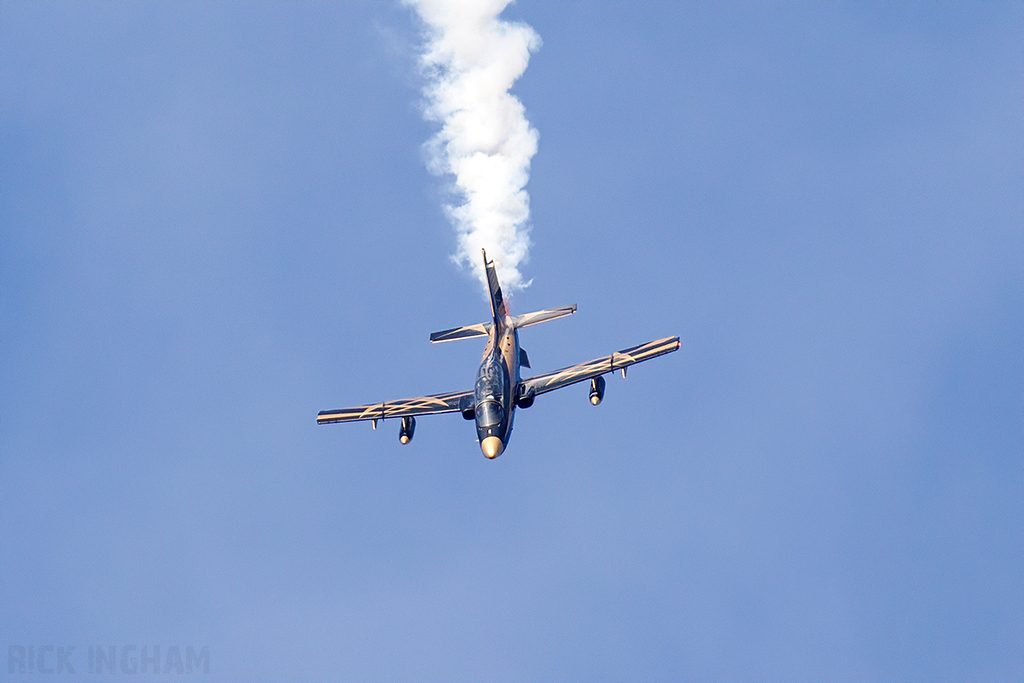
point(490, 383)
point(490, 388)
point(489, 413)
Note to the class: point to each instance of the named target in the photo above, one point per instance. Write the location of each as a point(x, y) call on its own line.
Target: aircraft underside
point(491, 404)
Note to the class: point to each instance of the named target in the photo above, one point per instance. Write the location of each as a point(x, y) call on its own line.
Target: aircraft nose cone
point(492, 447)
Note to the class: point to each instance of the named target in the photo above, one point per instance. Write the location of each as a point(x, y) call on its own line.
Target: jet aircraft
point(499, 389)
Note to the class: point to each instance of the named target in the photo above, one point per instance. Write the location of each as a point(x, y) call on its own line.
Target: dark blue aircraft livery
point(499, 390)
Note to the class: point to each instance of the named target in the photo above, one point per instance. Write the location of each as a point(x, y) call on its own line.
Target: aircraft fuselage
point(497, 382)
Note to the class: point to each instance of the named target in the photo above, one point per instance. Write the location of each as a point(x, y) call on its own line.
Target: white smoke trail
point(471, 59)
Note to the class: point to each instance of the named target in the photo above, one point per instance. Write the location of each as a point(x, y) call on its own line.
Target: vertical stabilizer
point(498, 309)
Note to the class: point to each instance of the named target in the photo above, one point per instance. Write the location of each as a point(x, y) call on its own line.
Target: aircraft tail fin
point(498, 307)
point(498, 310)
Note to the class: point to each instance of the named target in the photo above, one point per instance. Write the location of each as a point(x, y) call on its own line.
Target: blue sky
point(217, 221)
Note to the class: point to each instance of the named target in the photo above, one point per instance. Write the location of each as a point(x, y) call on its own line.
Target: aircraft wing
point(422, 405)
point(619, 360)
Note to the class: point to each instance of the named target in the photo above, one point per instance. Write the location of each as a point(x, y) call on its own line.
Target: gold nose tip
point(492, 447)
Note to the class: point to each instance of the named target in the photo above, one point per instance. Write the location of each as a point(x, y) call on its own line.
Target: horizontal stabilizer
point(484, 329)
point(467, 332)
point(542, 316)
